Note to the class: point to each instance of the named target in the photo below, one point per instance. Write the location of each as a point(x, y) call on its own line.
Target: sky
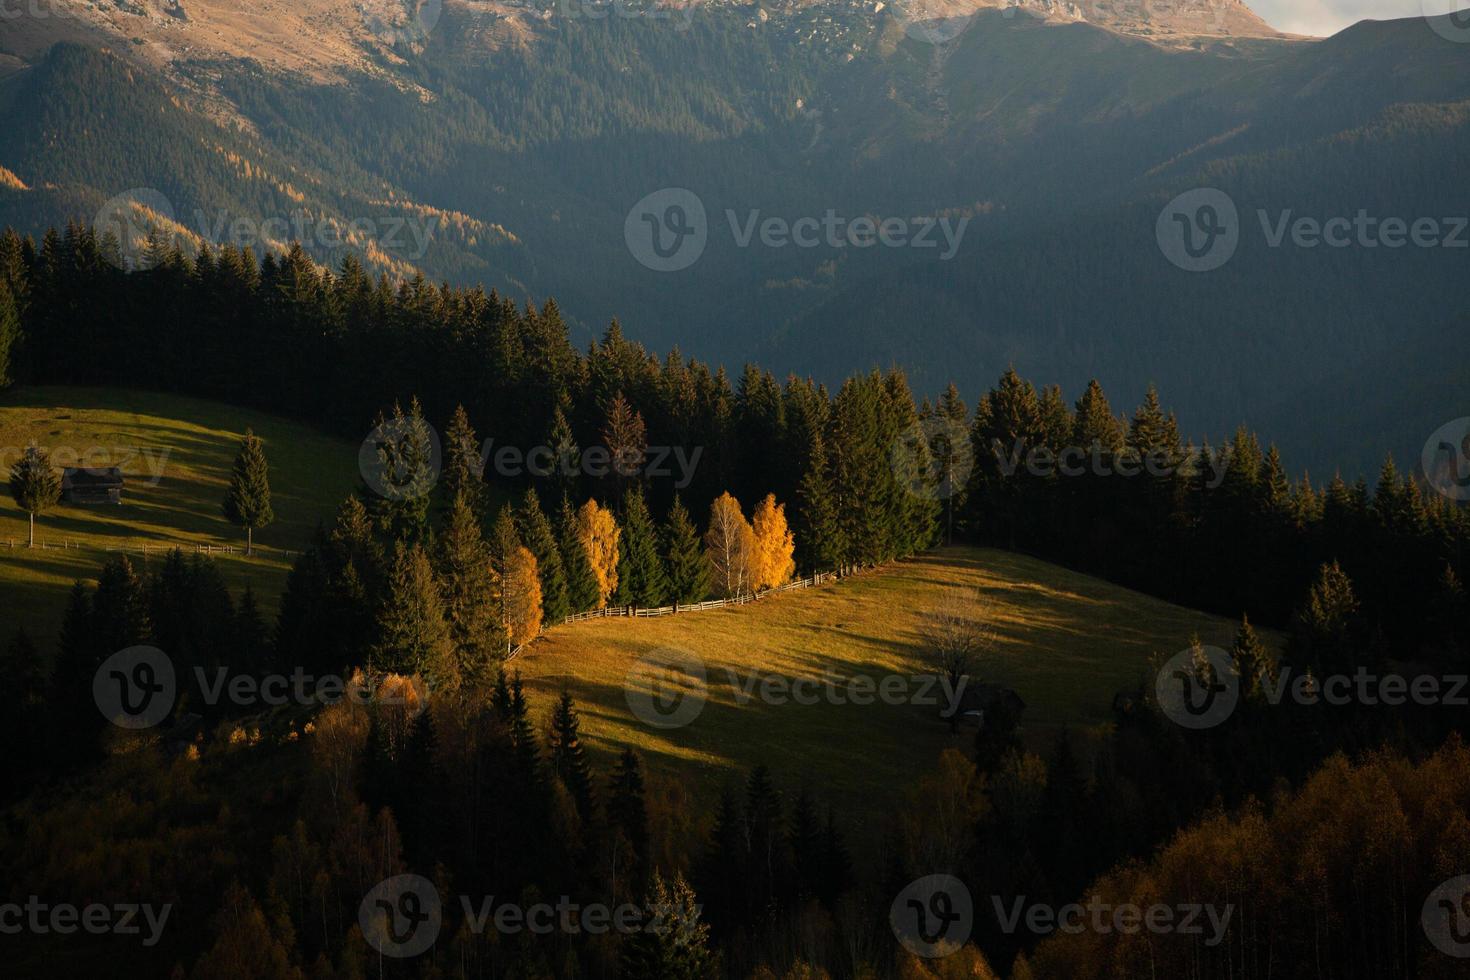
point(1324, 17)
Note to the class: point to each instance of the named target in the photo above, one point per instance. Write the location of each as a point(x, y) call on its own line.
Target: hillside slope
point(1066, 642)
point(176, 455)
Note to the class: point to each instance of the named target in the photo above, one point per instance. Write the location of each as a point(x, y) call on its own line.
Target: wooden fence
point(740, 600)
point(147, 548)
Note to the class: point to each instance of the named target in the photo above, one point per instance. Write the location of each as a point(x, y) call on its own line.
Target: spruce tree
point(403, 473)
point(1251, 661)
point(119, 617)
point(581, 581)
point(413, 634)
point(674, 943)
point(248, 501)
point(627, 812)
point(536, 534)
point(569, 756)
point(35, 486)
point(566, 455)
point(463, 468)
point(9, 334)
point(818, 548)
point(641, 579)
point(689, 574)
point(469, 589)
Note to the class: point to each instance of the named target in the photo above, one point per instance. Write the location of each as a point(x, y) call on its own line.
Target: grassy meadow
point(176, 455)
point(1066, 642)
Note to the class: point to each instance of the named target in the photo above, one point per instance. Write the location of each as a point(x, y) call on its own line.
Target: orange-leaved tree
point(599, 532)
point(522, 597)
point(774, 545)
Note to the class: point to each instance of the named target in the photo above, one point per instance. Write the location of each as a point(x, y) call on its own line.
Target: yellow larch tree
point(774, 545)
point(599, 532)
point(522, 597)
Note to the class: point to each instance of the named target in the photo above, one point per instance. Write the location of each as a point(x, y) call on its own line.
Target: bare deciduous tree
point(957, 634)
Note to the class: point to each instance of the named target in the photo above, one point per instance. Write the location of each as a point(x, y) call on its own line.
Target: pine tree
point(404, 474)
point(582, 588)
point(536, 534)
point(248, 502)
point(1251, 661)
point(79, 654)
point(413, 634)
point(119, 617)
point(818, 546)
point(1326, 630)
point(627, 813)
point(641, 579)
point(674, 943)
point(463, 467)
point(251, 641)
point(626, 437)
point(9, 334)
point(569, 756)
point(1095, 426)
point(566, 455)
point(688, 569)
point(35, 486)
point(468, 585)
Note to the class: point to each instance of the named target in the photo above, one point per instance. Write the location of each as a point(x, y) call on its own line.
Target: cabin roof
point(91, 478)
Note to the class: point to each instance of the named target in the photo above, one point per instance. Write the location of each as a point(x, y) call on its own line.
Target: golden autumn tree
point(731, 546)
point(521, 593)
point(599, 532)
point(774, 545)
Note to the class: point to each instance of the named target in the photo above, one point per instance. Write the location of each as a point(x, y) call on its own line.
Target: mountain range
point(1053, 153)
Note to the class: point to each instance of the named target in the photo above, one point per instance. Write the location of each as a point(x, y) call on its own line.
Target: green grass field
point(176, 455)
point(1066, 642)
